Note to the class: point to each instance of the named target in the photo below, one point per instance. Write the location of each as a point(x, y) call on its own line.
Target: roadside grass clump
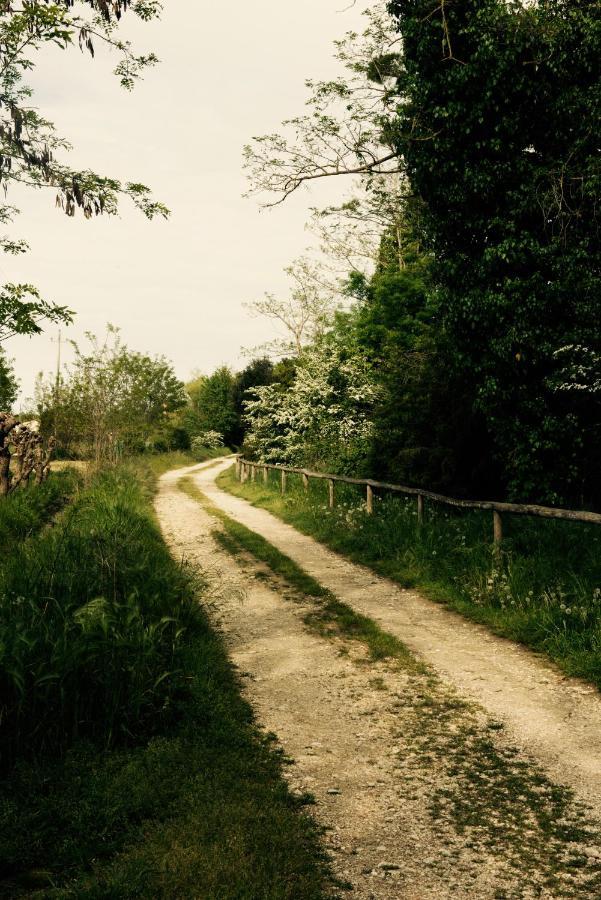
point(25, 512)
point(132, 765)
point(93, 616)
point(543, 589)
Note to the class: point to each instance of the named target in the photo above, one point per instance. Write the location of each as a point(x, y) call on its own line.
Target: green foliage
point(324, 417)
point(22, 309)
point(257, 373)
point(208, 440)
point(94, 618)
point(9, 386)
point(200, 809)
point(421, 398)
point(499, 131)
point(112, 400)
point(544, 590)
point(31, 150)
point(25, 512)
point(212, 405)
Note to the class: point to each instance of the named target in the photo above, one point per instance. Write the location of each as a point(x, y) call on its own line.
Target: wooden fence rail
point(246, 468)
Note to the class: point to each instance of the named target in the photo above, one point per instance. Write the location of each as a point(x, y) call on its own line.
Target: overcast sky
point(228, 71)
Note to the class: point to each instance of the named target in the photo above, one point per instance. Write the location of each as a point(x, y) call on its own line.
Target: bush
point(94, 619)
point(210, 440)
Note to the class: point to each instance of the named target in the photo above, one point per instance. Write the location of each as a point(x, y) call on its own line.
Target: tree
point(212, 404)
point(31, 152)
point(323, 418)
point(347, 129)
point(305, 314)
point(257, 373)
point(112, 399)
point(8, 383)
point(498, 123)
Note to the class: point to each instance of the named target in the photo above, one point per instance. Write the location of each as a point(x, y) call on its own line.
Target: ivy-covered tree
point(498, 124)
point(32, 153)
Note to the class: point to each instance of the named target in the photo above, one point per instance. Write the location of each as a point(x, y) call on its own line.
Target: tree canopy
point(31, 151)
point(473, 131)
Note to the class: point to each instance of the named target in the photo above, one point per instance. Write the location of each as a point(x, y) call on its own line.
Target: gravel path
point(557, 718)
point(421, 795)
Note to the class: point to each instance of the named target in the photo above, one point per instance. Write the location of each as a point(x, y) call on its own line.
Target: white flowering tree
point(324, 419)
point(580, 370)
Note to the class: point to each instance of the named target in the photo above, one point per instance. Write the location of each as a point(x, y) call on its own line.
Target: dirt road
point(430, 785)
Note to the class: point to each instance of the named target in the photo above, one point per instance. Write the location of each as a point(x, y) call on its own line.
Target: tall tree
point(213, 404)
point(346, 130)
point(499, 128)
point(257, 373)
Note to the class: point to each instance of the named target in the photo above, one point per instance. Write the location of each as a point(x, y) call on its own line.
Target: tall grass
point(543, 590)
point(25, 512)
point(93, 616)
point(134, 765)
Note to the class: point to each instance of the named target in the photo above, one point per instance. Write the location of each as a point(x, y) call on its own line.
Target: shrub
point(210, 440)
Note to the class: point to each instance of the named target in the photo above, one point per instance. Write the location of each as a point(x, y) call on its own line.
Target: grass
point(93, 622)
point(330, 616)
point(543, 591)
point(26, 512)
point(133, 766)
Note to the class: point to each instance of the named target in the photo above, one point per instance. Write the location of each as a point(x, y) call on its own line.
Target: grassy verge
point(331, 616)
point(26, 512)
point(132, 767)
point(544, 590)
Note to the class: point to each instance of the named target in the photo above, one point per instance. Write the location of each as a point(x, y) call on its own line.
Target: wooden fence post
point(265, 474)
point(253, 472)
point(244, 473)
point(420, 509)
point(331, 493)
point(305, 482)
point(238, 468)
point(498, 529)
point(370, 500)
point(283, 482)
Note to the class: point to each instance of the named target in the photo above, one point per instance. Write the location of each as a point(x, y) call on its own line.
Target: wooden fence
point(246, 469)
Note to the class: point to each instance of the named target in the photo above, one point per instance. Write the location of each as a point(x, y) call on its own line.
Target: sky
point(228, 71)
